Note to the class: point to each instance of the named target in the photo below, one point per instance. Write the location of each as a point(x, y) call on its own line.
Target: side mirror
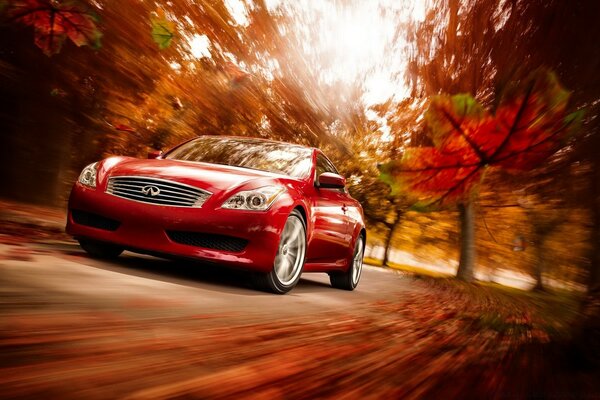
point(154, 154)
point(328, 180)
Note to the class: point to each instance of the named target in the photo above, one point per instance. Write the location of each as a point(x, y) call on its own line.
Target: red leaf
point(530, 125)
point(533, 122)
point(459, 124)
point(54, 21)
point(429, 173)
point(124, 128)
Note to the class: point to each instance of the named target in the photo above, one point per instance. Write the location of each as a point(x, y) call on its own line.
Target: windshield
point(280, 158)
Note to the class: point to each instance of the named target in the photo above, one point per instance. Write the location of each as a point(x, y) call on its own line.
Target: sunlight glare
point(357, 42)
point(199, 46)
point(238, 11)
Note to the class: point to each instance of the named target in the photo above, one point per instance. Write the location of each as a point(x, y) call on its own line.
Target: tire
point(100, 249)
point(289, 260)
point(349, 280)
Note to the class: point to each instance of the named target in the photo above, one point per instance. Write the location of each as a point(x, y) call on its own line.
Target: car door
point(329, 242)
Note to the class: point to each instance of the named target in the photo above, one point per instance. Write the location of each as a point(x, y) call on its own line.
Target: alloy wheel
point(357, 261)
point(290, 255)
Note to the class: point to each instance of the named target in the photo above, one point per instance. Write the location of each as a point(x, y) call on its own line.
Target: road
point(62, 276)
point(140, 327)
point(72, 326)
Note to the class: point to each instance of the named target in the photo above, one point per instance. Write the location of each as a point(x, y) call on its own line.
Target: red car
point(274, 208)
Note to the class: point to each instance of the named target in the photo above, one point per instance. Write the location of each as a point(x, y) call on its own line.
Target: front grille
point(94, 220)
point(208, 240)
point(156, 191)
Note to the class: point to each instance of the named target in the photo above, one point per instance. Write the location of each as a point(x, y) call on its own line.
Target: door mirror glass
point(329, 180)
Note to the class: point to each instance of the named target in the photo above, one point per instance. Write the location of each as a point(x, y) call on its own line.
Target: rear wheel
point(349, 280)
point(100, 249)
point(289, 260)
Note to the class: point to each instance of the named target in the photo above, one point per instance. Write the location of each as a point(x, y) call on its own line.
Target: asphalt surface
point(140, 327)
point(143, 327)
point(62, 277)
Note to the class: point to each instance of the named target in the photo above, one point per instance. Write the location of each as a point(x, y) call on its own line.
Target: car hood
point(211, 177)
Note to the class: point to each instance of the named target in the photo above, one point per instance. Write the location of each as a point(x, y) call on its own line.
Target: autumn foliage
point(163, 30)
point(530, 123)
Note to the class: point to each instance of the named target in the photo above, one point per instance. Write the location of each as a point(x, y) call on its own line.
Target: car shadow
point(307, 283)
point(191, 273)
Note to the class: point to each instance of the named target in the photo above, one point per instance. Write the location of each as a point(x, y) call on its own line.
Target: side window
point(324, 165)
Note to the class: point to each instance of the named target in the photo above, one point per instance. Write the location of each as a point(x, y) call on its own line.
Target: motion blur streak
point(468, 130)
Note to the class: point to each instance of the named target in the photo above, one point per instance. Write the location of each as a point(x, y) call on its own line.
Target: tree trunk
point(388, 241)
point(594, 275)
point(466, 265)
point(388, 244)
point(36, 132)
point(539, 266)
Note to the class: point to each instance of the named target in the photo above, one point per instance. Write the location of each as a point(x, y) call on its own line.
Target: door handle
point(344, 208)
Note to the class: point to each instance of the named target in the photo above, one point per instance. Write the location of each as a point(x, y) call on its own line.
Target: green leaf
point(454, 119)
point(385, 175)
point(163, 32)
point(574, 121)
point(423, 207)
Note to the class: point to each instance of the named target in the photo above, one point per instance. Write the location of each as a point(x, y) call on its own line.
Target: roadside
point(142, 327)
point(20, 223)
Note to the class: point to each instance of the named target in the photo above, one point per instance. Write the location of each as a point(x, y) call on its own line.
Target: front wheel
point(289, 260)
point(349, 280)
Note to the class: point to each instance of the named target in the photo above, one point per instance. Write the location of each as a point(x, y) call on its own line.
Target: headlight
point(255, 200)
point(88, 175)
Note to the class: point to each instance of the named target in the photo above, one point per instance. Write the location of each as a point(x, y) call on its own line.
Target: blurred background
point(82, 80)
point(351, 77)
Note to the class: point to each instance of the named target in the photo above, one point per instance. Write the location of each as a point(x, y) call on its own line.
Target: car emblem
point(150, 190)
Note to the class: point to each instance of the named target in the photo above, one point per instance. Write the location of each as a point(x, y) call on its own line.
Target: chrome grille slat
point(154, 200)
point(136, 191)
point(178, 186)
point(161, 197)
point(156, 191)
point(144, 183)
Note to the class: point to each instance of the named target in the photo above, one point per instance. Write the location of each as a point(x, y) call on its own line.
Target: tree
point(372, 141)
point(530, 124)
point(145, 87)
point(495, 47)
point(437, 48)
point(535, 34)
point(379, 206)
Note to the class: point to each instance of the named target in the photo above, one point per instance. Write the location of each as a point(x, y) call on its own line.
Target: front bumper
point(143, 227)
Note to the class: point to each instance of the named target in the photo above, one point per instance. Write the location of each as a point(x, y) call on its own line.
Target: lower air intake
point(208, 240)
point(94, 220)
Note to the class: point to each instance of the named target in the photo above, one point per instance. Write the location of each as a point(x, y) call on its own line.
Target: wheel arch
point(362, 231)
point(355, 235)
point(302, 212)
